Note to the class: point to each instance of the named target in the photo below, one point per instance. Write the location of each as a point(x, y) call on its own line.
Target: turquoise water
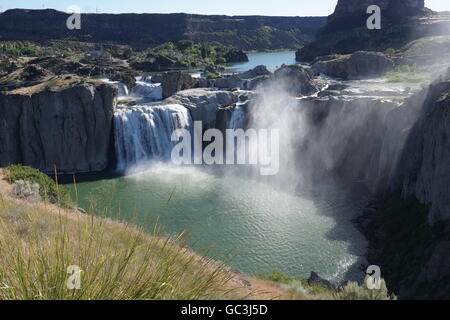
point(260, 227)
point(272, 60)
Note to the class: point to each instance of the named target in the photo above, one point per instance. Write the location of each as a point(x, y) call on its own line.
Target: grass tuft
point(117, 261)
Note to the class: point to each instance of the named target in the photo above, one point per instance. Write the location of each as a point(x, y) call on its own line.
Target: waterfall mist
point(333, 141)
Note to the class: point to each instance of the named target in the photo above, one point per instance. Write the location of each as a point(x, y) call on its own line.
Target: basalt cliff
point(149, 30)
point(62, 125)
point(401, 22)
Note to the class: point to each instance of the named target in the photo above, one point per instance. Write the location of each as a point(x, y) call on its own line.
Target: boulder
point(236, 55)
point(172, 82)
point(299, 81)
point(233, 81)
point(26, 190)
point(359, 65)
point(155, 63)
point(316, 280)
point(216, 69)
point(204, 104)
point(255, 72)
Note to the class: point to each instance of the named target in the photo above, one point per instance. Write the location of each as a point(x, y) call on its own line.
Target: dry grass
point(40, 241)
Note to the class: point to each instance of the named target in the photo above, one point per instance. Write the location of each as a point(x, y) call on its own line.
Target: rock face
point(299, 81)
point(150, 30)
point(204, 104)
point(255, 72)
point(358, 65)
point(315, 280)
point(173, 82)
point(424, 170)
point(348, 137)
point(236, 55)
point(158, 63)
point(69, 128)
point(410, 222)
point(392, 6)
point(438, 269)
point(346, 29)
point(228, 82)
point(26, 190)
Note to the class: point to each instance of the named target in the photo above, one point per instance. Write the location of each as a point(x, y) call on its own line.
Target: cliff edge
point(64, 122)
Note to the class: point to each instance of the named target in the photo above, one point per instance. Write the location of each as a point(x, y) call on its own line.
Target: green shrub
point(49, 190)
point(211, 75)
point(390, 51)
point(353, 291)
point(276, 276)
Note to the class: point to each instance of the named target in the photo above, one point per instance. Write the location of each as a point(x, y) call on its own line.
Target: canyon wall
point(392, 6)
point(149, 30)
point(346, 29)
point(69, 128)
point(424, 167)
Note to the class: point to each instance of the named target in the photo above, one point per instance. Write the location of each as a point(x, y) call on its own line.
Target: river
point(252, 225)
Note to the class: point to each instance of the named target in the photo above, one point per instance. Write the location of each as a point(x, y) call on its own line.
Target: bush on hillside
point(49, 190)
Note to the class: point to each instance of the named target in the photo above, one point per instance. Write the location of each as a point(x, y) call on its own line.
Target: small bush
point(210, 75)
point(390, 51)
point(276, 276)
point(49, 190)
point(353, 291)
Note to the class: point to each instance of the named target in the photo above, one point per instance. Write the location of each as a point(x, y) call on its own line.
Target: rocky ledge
point(64, 123)
point(297, 80)
point(359, 65)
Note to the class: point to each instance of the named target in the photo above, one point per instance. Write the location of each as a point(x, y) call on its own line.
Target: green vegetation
point(277, 276)
point(433, 46)
point(390, 51)
point(351, 291)
point(7, 67)
point(49, 190)
point(212, 75)
point(118, 261)
point(183, 54)
point(19, 48)
point(407, 74)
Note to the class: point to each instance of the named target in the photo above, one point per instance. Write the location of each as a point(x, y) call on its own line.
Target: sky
point(228, 7)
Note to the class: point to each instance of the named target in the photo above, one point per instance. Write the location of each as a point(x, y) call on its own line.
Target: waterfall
point(121, 87)
point(238, 118)
point(149, 91)
point(143, 133)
